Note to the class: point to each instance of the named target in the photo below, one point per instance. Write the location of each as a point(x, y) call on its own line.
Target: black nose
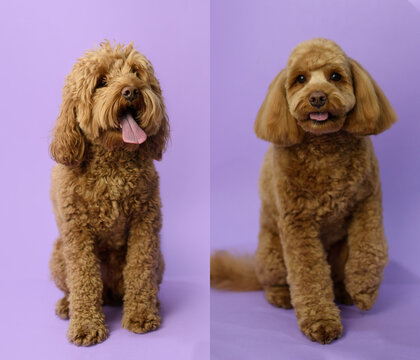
point(318, 98)
point(130, 93)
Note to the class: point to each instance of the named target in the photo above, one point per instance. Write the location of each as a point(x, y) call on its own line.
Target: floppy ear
point(372, 113)
point(156, 144)
point(155, 113)
point(274, 121)
point(68, 144)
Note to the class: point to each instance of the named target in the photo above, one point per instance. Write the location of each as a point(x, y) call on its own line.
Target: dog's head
point(111, 98)
point(322, 91)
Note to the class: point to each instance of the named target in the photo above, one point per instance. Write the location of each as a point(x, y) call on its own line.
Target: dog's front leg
point(141, 312)
point(367, 252)
point(309, 279)
point(87, 325)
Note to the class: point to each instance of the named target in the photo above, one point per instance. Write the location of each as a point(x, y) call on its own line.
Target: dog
point(105, 192)
point(321, 234)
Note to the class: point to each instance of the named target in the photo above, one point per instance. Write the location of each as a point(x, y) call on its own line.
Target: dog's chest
point(112, 200)
point(335, 191)
point(107, 198)
point(324, 184)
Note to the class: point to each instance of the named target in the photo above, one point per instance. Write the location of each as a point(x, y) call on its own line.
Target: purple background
point(250, 44)
point(40, 41)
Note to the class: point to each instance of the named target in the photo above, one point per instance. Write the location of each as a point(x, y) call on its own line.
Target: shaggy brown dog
point(105, 192)
point(321, 234)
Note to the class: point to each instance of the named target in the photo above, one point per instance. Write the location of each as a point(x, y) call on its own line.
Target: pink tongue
point(318, 116)
point(131, 132)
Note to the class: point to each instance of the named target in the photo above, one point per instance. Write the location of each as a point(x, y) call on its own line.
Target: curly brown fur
point(105, 194)
point(321, 233)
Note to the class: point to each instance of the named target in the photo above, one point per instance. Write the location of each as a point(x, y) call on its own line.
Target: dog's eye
point(134, 71)
point(101, 82)
point(301, 79)
point(335, 76)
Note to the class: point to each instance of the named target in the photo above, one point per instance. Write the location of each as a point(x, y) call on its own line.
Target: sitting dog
point(321, 233)
point(105, 192)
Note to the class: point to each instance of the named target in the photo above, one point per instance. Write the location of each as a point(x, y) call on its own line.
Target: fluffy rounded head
point(95, 104)
point(322, 91)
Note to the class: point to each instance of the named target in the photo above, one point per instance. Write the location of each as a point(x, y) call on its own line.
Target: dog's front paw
point(364, 300)
point(87, 332)
point(141, 321)
point(323, 330)
point(278, 296)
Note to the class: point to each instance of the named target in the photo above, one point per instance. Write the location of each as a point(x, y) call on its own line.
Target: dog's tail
point(235, 273)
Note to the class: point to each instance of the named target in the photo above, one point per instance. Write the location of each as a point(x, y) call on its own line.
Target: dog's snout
point(130, 93)
point(318, 98)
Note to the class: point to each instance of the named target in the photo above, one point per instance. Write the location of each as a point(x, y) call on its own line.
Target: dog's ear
point(155, 115)
point(274, 121)
point(68, 143)
point(372, 112)
point(156, 144)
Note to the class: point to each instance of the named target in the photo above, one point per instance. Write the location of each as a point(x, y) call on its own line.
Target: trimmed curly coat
point(321, 234)
point(105, 193)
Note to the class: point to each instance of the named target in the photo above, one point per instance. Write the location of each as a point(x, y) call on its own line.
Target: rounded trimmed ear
point(274, 121)
point(372, 112)
point(68, 143)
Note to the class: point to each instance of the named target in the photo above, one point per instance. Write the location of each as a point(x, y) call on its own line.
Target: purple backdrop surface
point(250, 44)
point(40, 41)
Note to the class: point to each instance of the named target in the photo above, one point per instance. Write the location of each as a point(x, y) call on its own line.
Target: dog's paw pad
point(324, 331)
point(141, 323)
point(62, 308)
point(87, 333)
point(279, 296)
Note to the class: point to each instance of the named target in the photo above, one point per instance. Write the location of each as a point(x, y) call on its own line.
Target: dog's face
point(322, 91)
point(113, 99)
point(319, 88)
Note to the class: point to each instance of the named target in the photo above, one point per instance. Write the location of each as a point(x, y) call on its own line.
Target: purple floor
point(30, 330)
point(244, 326)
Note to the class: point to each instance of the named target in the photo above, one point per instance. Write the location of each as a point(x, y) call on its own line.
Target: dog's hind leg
point(62, 308)
point(161, 268)
point(58, 273)
point(58, 266)
point(270, 267)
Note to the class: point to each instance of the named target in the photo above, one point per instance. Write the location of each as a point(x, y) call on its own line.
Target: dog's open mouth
point(132, 133)
point(320, 117)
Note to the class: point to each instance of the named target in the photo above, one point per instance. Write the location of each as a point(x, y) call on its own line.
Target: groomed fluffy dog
point(321, 234)
point(105, 192)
